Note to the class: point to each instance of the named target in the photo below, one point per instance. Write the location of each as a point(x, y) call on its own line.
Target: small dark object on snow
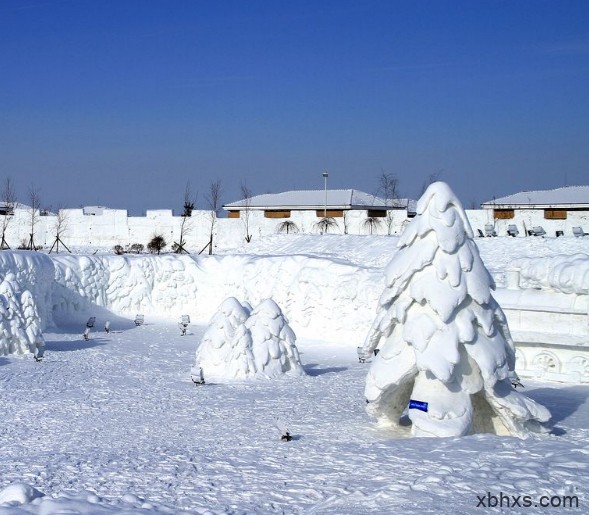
point(107, 326)
point(286, 437)
point(198, 378)
point(516, 382)
point(376, 351)
point(139, 319)
point(183, 324)
point(38, 359)
point(361, 355)
point(90, 322)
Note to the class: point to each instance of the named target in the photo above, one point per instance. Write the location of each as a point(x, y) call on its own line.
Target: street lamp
point(325, 176)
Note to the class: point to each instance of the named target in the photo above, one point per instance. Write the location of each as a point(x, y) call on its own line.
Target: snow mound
point(18, 493)
point(19, 498)
point(445, 349)
point(241, 343)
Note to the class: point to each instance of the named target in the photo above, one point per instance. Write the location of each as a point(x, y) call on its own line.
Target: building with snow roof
point(555, 212)
point(556, 203)
point(330, 203)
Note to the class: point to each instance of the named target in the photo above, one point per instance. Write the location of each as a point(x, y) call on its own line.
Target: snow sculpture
point(274, 349)
point(241, 343)
point(445, 350)
point(20, 325)
point(215, 349)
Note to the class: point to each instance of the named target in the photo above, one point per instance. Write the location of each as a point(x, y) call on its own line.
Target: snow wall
point(322, 299)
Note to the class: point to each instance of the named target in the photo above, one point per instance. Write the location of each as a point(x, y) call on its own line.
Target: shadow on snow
point(562, 402)
point(69, 346)
point(313, 371)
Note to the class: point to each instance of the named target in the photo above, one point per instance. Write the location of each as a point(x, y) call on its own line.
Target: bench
point(537, 231)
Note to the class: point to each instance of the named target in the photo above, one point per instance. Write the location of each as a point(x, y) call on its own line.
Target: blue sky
point(122, 102)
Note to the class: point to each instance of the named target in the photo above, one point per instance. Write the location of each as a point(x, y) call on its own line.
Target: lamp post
point(325, 176)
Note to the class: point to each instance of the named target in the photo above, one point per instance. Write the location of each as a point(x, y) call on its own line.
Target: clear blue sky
point(122, 102)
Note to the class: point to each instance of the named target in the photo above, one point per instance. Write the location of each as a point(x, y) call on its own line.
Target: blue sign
point(420, 405)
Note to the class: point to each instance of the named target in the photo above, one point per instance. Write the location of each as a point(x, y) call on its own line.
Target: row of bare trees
point(9, 204)
point(388, 190)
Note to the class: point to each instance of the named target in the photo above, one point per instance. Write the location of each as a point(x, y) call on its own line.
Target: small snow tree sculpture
point(274, 349)
point(445, 350)
point(240, 345)
point(215, 350)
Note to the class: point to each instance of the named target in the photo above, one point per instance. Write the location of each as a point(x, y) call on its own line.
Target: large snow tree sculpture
point(445, 353)
point(241, 343)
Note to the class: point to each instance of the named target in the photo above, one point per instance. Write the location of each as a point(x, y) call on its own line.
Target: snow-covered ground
point(115, 425)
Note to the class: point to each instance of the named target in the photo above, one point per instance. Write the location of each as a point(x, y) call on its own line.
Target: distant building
point(557, 204)
point(7, 208)
point(94, 210)
point(333, 203)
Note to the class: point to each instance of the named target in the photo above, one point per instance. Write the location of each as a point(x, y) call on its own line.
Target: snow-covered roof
point(577, 196)
point(315, 199)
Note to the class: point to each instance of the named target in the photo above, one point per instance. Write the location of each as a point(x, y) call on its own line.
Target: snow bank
point(19, 498)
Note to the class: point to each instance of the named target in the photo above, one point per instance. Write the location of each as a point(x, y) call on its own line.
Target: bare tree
point(287, 227)
point(388, 190)
point(246, 198)
point(9, 201)
point(156, 244)
point(186, 223)
point(325, 224)
point(35, 211)
point(371, 223)
point(214, 202)
point(60, 227)
point(346, 220)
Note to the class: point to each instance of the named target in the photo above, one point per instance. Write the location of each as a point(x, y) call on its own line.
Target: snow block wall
point(446, 356)
point(322, 299)
point(547, 304)
point(25, 292)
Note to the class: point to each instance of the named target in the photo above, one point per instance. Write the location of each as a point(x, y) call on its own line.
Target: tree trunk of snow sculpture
point(216, 348)
point(443, 340)
point(274, 349)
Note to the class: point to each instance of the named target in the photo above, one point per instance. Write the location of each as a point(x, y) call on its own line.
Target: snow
point(115, 425)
